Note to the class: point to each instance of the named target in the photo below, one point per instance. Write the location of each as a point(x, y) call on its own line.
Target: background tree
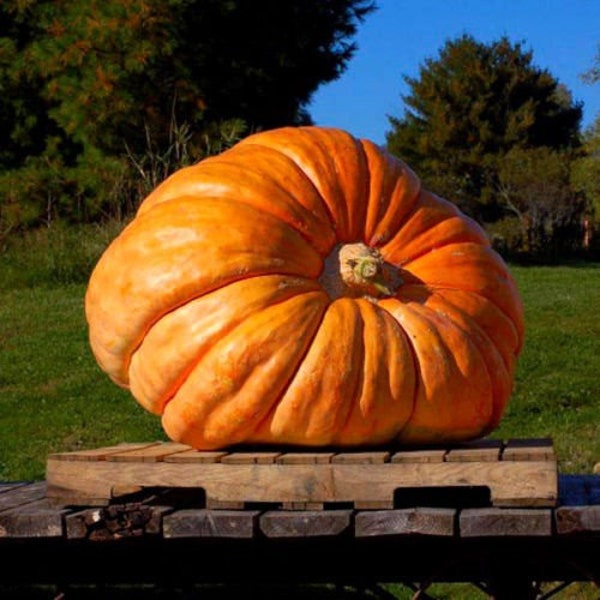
point(585, 178)
point(471, 106)
point(86, 83)
point(545, 214)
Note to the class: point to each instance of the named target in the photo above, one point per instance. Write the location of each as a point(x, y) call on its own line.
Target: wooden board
point(311, 480)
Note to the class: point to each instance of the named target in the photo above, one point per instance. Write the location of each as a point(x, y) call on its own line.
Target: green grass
point(557, 388)
point(53, 396)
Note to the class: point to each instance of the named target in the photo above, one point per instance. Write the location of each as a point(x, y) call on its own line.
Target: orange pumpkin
point(302, 288)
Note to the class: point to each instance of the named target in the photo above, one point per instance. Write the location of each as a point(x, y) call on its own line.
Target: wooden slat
point(505, 522)
point(577, 519)
point(302, 505)
point(21, 495)
point(529, 449)
point(303, 524)
point(94, 454)
point(250, 458)
point(193, 523)
point(361, 458)
point(305, 458)
point(478, 451)
point(196, 456)
point(419, 456)
point(408, 521)
point(11, 485)
point(152, 453)
point(37, 519)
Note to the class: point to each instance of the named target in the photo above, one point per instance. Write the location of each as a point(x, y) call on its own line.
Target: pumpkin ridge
point(311, 140)
point(417, 380)
point(298, 167)
point(505, 281)
point(441, 288)
point(267, 417)
point(474, 422)
point(228, 332)
point(231, 326)
point(486, 341)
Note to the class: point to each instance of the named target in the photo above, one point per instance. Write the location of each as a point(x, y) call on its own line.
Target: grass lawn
point(53, 397)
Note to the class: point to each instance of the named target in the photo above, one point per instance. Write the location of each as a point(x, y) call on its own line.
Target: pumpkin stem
point(356, 270)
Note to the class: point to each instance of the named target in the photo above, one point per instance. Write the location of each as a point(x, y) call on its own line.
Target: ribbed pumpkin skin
point(212, 307)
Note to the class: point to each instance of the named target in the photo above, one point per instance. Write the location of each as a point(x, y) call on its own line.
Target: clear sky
point(395, 40)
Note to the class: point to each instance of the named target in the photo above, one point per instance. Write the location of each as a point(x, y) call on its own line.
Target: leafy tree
point(534, 186)
point(592, 75)
point(471, 106)
point(585, 178)
point(90, 89)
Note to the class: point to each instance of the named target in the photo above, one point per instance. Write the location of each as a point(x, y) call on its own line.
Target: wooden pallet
point(517, 473)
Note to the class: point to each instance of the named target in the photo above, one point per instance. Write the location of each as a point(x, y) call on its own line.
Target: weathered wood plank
point(192, 523)
point(23, 494)
point(577, 519)
point(505, 522)
point(408, 521)
point(477, 451)
point(305, 523)
point(37, 519)
point(361, 458)
point(94, 454)
point(436, 455)
point(154, 453)
point(250, 458)
point(512, 483)
point(305, 458)
point(534, 449)
point(11, 485)
point(302, 506)
point(196, 456)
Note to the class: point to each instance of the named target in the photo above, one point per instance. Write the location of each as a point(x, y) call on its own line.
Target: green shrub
point(54, 255)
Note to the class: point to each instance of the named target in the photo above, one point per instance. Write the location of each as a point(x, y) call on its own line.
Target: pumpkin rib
point(381, 391)
point(431, 224)
point(207, 318)
point(221, 402)
point(499, 370)
point(257, 435)
point(393, 190)
point(229, 177)
point(473, 268)
point(321, 153)
point(510, 349)
point(443, 411)
point(439, 289)
point(310, 410)
point(149, 296)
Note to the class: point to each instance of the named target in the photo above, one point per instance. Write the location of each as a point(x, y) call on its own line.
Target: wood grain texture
point(306, 523)
point(408, 521)
point(505, 522)
point(577, 519)
point(38, 519)
point(200, 523)
point(512, 483)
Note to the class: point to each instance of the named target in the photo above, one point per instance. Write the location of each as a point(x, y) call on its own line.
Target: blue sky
point(564, 36)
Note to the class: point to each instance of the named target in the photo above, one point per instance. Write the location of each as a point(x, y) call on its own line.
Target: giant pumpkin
point(302, 288)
